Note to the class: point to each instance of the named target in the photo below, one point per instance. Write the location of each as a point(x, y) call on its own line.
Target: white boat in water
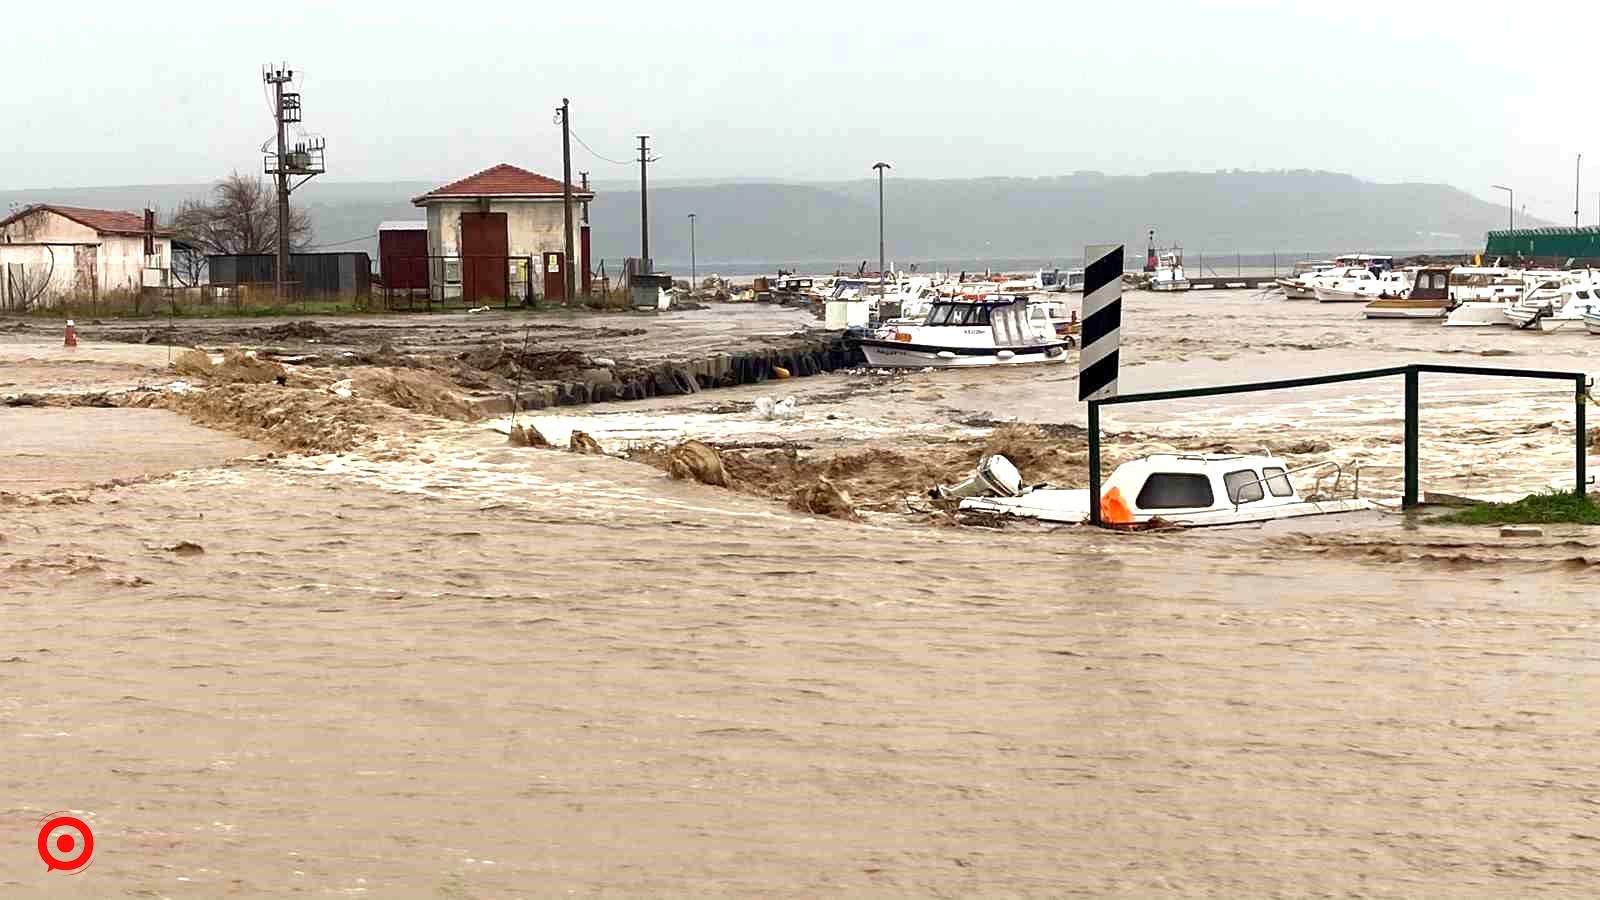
point(1179, 489)
point(958, 334)
point(1557, 305)
point(1354, 284)
point(1168, 274)
point(1295, 287)
point(1484, 295)
point(1428, 297)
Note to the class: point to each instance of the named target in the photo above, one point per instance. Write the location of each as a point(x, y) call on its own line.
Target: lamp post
point(1511, 205)
point(693, 277)
point(881, 167)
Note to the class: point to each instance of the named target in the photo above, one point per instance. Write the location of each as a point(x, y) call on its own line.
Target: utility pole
point(306, 159)
point(692, 273)
point(644, 205)
point(881, 167)
point(280, 282)
point(565, 112)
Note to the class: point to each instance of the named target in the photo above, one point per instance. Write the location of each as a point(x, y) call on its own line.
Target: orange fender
point(1114, 510)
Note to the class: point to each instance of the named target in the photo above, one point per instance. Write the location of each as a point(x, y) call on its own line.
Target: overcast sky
point(1456, 92)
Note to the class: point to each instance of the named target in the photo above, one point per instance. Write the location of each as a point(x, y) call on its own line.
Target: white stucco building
point(481, 224)
point(51, 253)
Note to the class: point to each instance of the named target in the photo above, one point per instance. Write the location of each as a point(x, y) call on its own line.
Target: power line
point(342, 243)
point(617, 162)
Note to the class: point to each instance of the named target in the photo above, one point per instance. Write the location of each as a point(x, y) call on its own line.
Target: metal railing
point(1412, 374)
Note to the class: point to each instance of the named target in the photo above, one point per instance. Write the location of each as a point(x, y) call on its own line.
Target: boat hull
point(1474, 314)
point(1332, 295)
point(900, 355)
point(1408, 309)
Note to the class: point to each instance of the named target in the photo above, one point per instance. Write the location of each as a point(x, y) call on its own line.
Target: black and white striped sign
point(1102, 321)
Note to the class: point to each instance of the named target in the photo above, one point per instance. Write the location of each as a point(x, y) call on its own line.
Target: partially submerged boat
point(1188, 490)
point(999, 332)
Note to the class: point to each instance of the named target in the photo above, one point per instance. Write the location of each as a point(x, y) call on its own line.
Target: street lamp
point(1511, 205)
point(881, 167)
point(693, 279)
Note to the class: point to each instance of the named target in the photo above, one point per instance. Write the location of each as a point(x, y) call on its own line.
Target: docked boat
point(1354, 284)
point(1428, 297)
point(956, 334)
point(1295, 286)
point(1558, 305)
point(1168, 274)
point(1188, 490)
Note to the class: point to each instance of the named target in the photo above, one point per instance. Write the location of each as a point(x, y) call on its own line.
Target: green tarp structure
point(1545, 243)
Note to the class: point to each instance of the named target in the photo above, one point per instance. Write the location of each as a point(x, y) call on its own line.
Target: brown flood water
point(450, 668)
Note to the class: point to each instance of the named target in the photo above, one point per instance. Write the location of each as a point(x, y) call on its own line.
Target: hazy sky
point(1457, 92)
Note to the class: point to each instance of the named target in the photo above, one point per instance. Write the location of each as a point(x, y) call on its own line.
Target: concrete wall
point(533, 228)
point(78, 263)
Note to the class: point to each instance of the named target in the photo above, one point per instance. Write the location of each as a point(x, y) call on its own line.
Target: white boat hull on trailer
point(1591, 323)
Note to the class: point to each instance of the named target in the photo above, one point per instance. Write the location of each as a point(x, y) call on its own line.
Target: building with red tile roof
point(501, 233)
point(50, 253)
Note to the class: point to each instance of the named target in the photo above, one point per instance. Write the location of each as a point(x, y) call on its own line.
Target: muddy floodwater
point(432, 664)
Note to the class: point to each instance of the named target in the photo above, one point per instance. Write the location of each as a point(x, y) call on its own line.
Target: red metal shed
point(403, 255)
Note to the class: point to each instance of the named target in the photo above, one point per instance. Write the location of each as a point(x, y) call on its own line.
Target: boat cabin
point(958, 313)
point(1169, 484)
point(1307, 266)
point(1431, 283)
point(1366, 261)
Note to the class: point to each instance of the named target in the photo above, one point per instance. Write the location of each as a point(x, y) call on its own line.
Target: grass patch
point(1534, 509)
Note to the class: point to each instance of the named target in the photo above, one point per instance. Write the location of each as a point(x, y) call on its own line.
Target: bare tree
point(240, 217)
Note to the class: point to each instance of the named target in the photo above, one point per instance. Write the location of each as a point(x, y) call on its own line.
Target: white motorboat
point(1295, 286)
point(1484, 295)
point(1354, 284)
point(1562, 308)
point(1428, 297)
point(959, 334)
point(1168, 274)
point(1178, 489)
point(1591, 323)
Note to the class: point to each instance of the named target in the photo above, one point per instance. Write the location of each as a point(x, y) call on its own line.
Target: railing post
point(1581, 464)
point(1094, 463)
point(1413, 432)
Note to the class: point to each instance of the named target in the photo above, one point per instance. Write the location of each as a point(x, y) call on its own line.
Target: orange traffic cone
point(72, 335)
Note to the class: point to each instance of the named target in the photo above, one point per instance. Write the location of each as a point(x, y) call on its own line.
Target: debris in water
point(581, 442)
point(699, 462)
point(527, 436)
point(1521, 531)
point(344, 389)
point(781, 410)
point(185, 548)
point(824, 498)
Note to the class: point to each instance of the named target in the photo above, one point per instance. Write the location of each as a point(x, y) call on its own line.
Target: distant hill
point(752, 225)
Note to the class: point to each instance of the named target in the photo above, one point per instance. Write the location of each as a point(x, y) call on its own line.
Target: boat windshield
point(959, 314)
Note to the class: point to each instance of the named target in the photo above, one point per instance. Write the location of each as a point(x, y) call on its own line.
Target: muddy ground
point(342, 638)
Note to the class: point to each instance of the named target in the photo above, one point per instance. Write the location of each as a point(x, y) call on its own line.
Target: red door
point(555, 280)
point(485, 248)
